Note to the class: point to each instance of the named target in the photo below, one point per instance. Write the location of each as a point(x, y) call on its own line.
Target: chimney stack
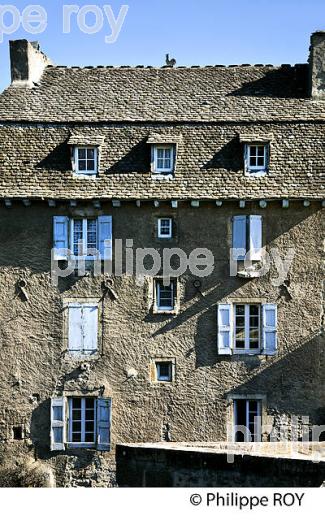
point(317, 65)
point(27, 62)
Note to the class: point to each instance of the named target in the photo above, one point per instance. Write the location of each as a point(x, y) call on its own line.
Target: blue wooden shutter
point(255, 237)
point(60, 237)
point(269, 329)
point(239, 236)
point(104, 423)
point(105, 237)
point(57, 423)
point(90, 327)
point(225, 328)
point(75, 336)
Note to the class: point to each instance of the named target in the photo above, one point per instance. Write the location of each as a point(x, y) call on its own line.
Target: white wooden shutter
point(239, 237)
point(57, 423)
point(255, 237)
point(225, 329)
point(60, 237)
point(105, 238)
point(90, 327)
point(269, 329)
point(104, 423)
point(75, 336)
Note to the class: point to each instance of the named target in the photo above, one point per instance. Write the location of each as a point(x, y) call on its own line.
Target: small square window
point(163, 159)
point(164, 371)
point(165, 228)
point(86, 160)
point(256, 158)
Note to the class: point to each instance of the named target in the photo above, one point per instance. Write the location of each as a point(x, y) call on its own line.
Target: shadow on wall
point(136, 160)
point(59, 159)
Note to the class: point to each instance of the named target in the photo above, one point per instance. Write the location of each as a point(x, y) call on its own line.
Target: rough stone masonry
point(63, 411)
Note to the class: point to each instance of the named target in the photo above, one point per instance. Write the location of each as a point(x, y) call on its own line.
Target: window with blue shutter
point(225, 329)
point(105, 238)
point(60, 237)
point(269, 329)
point(104, 406)
point(57, 423)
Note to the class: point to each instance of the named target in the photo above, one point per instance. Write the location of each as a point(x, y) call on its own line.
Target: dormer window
point(163, 159)
point(256, 158)
point(86, 160)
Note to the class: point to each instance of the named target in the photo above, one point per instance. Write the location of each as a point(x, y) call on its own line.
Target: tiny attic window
point(86, 160)
point(85, 154)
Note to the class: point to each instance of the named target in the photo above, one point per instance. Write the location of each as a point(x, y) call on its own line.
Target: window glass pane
point(89, 437)
point(91, 166)
point(90, 403)
point(76, 415)
point(240, 419)
point(57, 413)
point(57, 434)
point(90, 415)
point(92, 234)
point(76, 402)
point(82, 166)
point(77, 235)
point(76, 437)
point(90, 153)
point(82, 153)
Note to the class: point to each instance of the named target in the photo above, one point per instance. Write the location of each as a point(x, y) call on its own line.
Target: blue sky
point(195, 32)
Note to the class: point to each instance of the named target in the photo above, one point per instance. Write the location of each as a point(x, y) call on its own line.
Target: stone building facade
point(133, 158)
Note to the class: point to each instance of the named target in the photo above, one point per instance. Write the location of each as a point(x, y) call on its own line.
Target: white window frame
point(76, 160)
point(257, 437)
point(82, 352)
point(250, 169)
point(164, 379)
point(81, 444)
point(157, 288)
point(247, 350)
point(155, 155)
point(170, 233)
point(84, 237)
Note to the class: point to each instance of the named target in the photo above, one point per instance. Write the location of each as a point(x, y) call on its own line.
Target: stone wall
point(196, 406)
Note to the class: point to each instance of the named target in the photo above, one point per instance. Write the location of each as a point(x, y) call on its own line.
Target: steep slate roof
point(238, 93)
point(209, 108)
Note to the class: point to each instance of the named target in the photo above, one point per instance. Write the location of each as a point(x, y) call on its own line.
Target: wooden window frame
point(248, 401)
point(155, 158)
point(160, 234)
point(81, 444)
point(256, 170)
point(84, 237)
point(247, 349)
point(76, 159)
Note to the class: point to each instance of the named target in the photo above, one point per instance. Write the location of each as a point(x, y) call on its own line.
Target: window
point(82, 328)
point(247, 328)
point(80, 422)
point(247, 237)
point(165, 228)
point(82, 237)
point(86, 160)
point(163, 159)
point(247, 420)
point(164, 371)
point(256, 158)
point(165, 295)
